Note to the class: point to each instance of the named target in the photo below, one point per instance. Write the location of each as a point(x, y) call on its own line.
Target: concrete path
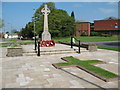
point(38, 72)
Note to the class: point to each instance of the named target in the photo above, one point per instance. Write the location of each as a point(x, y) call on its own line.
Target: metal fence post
point(38, 48)
point(71, 42)
point(79, 47)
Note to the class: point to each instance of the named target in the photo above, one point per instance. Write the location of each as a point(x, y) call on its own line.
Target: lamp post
point(3, 30)
point(10, 29)
point(34, 33)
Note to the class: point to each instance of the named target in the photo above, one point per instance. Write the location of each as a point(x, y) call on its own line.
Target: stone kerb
point(14, 51)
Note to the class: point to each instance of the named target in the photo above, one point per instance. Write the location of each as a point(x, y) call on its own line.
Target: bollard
point(38, 48)
point(79, 47)
point(71, 42)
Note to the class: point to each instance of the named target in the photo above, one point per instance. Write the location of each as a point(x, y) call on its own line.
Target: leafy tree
point(38, 13)
point(60, 23)
point(27, 31)
point(7, 32)
point(72, 14)
point(1, 23)
point(14, 31)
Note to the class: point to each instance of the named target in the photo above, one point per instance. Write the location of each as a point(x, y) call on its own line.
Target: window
point(116, 26)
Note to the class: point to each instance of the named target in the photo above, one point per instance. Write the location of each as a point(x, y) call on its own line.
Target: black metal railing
point(78, 43)
point(38, 52)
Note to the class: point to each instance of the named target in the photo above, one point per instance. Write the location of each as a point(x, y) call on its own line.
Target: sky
point(17, 14)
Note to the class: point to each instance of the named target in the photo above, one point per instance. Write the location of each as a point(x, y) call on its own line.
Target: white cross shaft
point(46, 35)
point(45, 12)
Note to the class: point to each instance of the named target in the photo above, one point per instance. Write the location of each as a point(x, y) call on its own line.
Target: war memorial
point(58, 65)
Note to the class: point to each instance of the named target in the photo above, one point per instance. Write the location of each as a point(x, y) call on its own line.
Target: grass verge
point(110, 48)
point(4, 43)
point(87, 39)
point(26, 42)
point(15, 45)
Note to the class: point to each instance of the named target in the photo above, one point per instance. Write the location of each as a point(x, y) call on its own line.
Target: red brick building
point(110, 25)
point(1, 35)
point(82, 27)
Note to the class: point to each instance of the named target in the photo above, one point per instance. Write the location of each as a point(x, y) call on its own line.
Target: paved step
point(33, 51)
point(29, 54)
point(52, 52)
point(48, 53)
point(55, 50)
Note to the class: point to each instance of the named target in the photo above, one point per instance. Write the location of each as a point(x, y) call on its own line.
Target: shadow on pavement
point(84, 79)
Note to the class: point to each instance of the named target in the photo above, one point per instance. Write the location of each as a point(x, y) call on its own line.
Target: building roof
point(110, 18)
point(83, 21)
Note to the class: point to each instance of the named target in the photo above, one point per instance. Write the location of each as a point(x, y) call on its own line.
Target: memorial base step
point(52, 52)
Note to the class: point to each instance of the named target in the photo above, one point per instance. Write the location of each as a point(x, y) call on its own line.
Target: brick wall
point(82, 27)
point(106, 25)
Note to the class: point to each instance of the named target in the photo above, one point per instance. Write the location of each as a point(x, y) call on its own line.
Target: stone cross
point(46, 35)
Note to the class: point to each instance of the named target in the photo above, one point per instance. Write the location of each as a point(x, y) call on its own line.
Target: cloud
point(107, 11)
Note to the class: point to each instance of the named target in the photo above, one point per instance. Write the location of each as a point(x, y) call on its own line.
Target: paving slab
point(38, 72)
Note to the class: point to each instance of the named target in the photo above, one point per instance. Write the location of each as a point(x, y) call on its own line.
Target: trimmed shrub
point(105, 35)
point(83, 34)
point(94, 34)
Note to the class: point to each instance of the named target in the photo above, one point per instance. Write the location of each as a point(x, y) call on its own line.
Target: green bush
point(83, 34)
point(94, 34)
point(15, 45)
point(105, 35)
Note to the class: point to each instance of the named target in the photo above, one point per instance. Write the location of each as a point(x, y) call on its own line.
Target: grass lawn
point(87, 39)
point(109, 48)
point(4, 43)
point(85, 64)
point(15, 45)
point(91, 39)
point(26, 42)
point(10, 40)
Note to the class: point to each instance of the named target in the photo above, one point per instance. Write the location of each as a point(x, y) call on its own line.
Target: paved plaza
point(38, 72)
